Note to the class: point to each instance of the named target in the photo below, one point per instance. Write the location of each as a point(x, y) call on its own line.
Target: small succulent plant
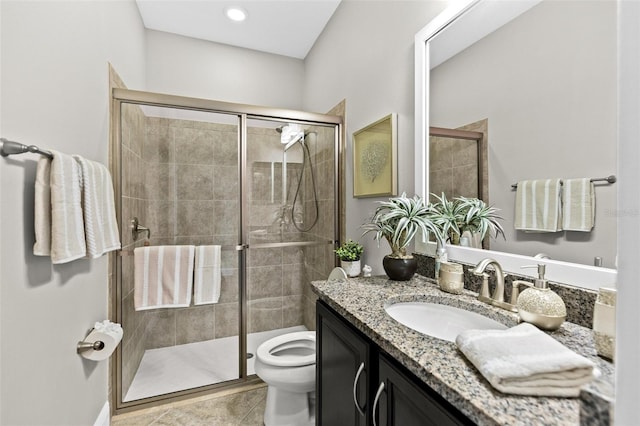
point(349, 251)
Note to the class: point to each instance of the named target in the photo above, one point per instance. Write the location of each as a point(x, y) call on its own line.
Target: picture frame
point(375, 153)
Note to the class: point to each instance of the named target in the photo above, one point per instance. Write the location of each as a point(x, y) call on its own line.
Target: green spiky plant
point(461, 214)
point(398, 221)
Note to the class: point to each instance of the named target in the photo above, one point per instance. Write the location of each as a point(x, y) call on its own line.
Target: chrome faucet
point(498, 294)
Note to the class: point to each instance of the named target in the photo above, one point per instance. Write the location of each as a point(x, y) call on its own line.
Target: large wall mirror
point(543, 75)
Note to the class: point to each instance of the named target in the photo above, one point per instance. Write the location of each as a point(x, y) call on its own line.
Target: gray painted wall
point(188, 67)
point(55, 94)
point(365, 55)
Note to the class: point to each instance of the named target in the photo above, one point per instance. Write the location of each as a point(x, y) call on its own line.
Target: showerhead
point(290, 133)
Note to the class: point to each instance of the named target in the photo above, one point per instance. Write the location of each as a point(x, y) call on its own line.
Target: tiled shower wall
point(319, 260)
point(134, 203)
point(180, 179)
point(453, 167)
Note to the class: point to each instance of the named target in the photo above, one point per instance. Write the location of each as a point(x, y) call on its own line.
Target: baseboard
point(103, 417)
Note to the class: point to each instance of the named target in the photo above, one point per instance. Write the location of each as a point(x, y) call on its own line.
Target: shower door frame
point(244, 112)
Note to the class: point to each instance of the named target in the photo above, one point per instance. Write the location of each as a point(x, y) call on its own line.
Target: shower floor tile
point(181, 367)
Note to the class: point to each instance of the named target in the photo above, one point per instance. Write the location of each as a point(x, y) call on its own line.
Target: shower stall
point(260, 183)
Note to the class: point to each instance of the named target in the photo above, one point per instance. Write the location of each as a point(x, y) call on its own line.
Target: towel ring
point(137, 229)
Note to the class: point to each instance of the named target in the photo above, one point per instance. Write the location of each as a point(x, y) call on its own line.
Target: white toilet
point(287, 364)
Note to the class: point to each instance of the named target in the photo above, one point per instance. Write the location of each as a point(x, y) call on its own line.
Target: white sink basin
point(441, 321)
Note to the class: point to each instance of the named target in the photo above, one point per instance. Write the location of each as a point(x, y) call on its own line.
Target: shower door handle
point(242, 247)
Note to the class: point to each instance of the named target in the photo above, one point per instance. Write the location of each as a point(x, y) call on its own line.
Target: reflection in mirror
point(458, 161)
point(550, 99)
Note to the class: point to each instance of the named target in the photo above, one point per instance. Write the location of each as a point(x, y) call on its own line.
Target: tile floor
point(244, 408)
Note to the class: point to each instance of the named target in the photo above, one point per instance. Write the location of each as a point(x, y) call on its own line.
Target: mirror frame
point(474, 19)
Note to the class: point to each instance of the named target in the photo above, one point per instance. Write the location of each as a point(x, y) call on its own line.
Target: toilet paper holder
point(83, 346)
point(101, 341)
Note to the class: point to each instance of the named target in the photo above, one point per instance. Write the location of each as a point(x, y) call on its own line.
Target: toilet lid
point(289, 350)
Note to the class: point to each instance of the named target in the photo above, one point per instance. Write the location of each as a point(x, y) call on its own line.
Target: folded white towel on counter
point(207, 275)
point(524, 360)
point(579, 205)
point(67, 226)
point(42, 208)
point(99, 214)
point(539, 206)
point(163, 276)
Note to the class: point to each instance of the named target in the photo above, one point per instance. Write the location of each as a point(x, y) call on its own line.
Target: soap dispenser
point(539, 305)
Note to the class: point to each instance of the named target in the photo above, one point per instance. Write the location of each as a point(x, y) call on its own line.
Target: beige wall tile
point(194, 182)
point(226, 318)
point(161, 329)
point(195, 324)
point(264, 314)
point(264, 281)
point(195, 218)
point(194, 146)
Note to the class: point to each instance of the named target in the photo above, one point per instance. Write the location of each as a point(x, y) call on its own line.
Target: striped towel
point(100, 226)
point(207, 275)
point(539, 206)
point(163, 276)
point(579, 206)
point(67, 227)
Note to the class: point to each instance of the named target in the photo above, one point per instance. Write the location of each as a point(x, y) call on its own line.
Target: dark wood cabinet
point(359, 384)
point(342, 372)
point(404, 402)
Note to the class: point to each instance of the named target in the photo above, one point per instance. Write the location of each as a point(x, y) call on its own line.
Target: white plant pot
point(351, 268)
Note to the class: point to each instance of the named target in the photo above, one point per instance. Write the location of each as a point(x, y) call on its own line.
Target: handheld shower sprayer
point(290, 134)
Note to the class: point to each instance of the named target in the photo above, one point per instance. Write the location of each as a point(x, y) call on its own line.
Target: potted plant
point(349, 254)
point(398, 221)
point(461, 214)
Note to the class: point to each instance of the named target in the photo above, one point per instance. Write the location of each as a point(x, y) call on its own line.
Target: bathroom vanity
point(356, 381)
point(374, 370)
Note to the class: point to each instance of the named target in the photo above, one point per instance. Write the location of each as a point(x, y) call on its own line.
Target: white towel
point(163, 276)
point(579, 205)
point(539, 206)
point(524, 360)
point(207, 275)
point(67, 227)
point(100, 226)
point(42, 208)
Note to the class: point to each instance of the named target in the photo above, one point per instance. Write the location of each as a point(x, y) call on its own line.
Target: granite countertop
point(440, 364)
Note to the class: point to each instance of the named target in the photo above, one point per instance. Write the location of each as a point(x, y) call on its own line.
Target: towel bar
point(8, 147)
point(608, 179)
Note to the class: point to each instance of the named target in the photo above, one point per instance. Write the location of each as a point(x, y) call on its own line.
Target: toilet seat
point(289, 350)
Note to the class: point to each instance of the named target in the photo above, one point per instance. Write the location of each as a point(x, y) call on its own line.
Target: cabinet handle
point(355, 386)
point(375, 402)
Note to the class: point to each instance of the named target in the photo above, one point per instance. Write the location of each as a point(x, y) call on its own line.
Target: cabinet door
point(402, 402)
point(343, 374)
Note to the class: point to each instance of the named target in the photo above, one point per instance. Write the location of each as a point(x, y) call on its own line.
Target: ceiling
point(283, 27)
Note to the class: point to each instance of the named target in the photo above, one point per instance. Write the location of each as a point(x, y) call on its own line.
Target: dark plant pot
point(399, 269)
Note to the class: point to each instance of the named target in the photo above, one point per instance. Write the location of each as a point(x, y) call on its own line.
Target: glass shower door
point(289, 224)
point(180, 179)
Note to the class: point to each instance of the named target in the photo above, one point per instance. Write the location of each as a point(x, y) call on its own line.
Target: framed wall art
point(375, 152)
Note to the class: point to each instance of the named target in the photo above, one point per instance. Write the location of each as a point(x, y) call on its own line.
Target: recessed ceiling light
point(236, 14)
